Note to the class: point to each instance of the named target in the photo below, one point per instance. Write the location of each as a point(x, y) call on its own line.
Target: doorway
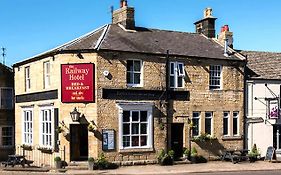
point(78, 142)
point(277, 137)
point(177, 139)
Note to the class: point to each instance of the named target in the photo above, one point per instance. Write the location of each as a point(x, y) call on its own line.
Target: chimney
point(124, 15)
point(206, 25)
point(226, 36)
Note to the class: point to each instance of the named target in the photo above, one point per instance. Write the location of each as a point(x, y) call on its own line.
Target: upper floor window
point(27, 132)
point(176, 75)
point(235, 123)
point(46, 68)
point(134, 69)
point(7, 97)
point(215, 76)
point(27, 78)
point(225, 123)
point(196, 123)
point(208, 122)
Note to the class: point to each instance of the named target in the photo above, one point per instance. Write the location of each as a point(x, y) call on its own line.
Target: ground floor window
point(7, 136)
point(46, 127)
point(135, 123)
point(27, 126)
point(208, 122)
point(195, 123)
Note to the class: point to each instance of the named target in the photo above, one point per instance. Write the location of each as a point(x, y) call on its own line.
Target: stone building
point(129, 91)
point(7, 119)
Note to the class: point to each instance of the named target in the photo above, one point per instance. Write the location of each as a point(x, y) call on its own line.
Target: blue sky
point(29, 27)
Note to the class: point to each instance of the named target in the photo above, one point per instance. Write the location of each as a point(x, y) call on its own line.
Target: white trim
point(136, 107)
point(199, 122)
point(215, 77)
point(47, 74)
point(50, 122)
point(212, 120)
point(101, 38)
point(238, 122)
point(133, 72)
point(228, 123)
point(31, 110)
point(176, 74)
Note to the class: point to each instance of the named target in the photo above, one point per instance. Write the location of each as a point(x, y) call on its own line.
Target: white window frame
point(226, 115)
point(136, 107)
point(43, 134)
point(11, 98)
point(27, 79)
point(47, 75)
point(1, 134)
point(134, 72)
point(210, 117)
point(215, 75)
point(178, 72)
point(236, 117)
point(27, 135)
point(199, 122)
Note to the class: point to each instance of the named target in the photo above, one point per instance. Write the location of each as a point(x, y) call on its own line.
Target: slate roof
point(144, 40)
point(264, 65)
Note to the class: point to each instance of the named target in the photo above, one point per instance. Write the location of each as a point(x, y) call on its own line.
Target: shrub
point(160, 155)
point(171, 153)
point(186, 152)
point(167, 160)
point(193, 152)
point(56, 159)
point(101, 163)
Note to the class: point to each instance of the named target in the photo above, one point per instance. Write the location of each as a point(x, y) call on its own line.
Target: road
point(238, 173)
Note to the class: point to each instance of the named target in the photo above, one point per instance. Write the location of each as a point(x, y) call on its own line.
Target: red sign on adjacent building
point(77, 83)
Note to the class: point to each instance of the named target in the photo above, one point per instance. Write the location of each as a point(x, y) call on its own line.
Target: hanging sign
point(77, 83)
point(108, 139)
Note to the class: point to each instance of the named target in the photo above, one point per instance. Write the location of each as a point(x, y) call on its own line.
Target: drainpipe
point(167, 100)
point(244, 106)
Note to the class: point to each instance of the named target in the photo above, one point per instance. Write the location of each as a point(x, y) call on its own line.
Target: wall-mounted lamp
point(75, 115)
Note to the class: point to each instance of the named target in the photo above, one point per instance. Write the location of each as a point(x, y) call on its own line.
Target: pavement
point(212, 166)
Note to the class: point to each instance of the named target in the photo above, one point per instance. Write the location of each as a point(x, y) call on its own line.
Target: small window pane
point(143, 140)
point(137, 66)
point(135, 128)
point(137, 78)
point(135, 141)
point(135, 116)
point(126, 116)
point(143, 116)
point(126, 129)
point(172, 81)
point(126, 141)
point(143, 128)
point(130, 77)
point(130, 66)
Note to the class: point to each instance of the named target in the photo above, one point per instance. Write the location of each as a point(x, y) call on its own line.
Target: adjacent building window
point(27, 126)
point(226, 123)
point(176, 75)
point(46, 68)
point(27, 78)
point(7, 98)
point(215, 77)
point(208, 122)
point(136, 127)
point(196, 123)
point(46, 127)
point(7, 136)
point(134, 69)
point(235, 123)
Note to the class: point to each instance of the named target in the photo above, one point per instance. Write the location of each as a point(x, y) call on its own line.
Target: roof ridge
point(260, 51)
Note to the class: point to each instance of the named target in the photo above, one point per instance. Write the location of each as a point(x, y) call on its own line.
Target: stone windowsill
point(229, 138)
point(136, 150)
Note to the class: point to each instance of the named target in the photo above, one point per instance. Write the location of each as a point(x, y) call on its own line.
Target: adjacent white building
point(262, 126)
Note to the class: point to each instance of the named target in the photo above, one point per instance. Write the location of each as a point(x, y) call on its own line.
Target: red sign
point(77, 83)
